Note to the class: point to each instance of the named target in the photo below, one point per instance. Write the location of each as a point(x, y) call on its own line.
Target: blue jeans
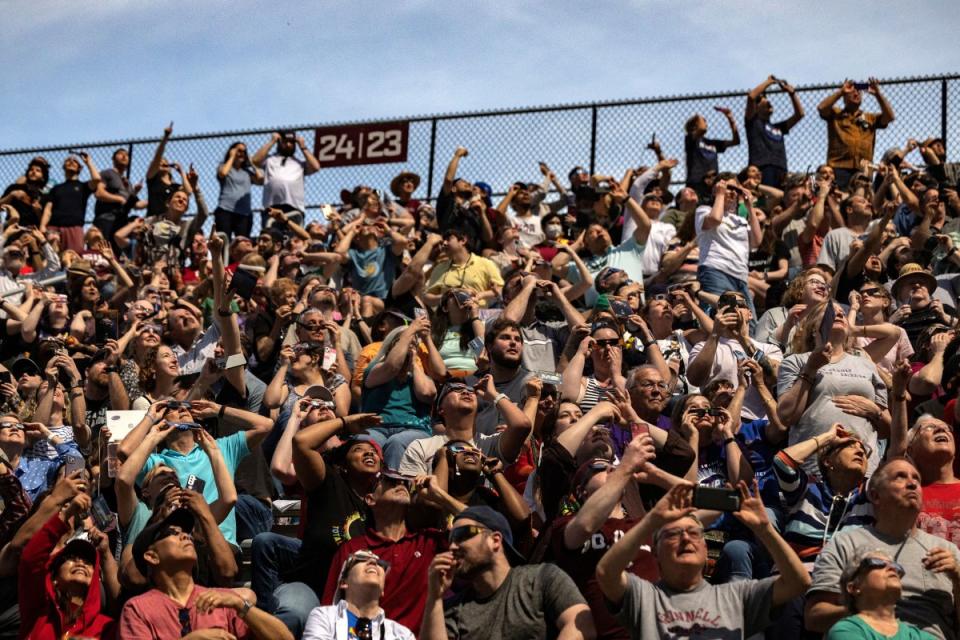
point(272, 556)
point(741, 560)
point(253, 517)
point(394, 441)
point(717, 282)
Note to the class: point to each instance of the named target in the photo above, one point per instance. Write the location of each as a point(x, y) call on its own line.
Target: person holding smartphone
point(683, 600)
point(236, 174)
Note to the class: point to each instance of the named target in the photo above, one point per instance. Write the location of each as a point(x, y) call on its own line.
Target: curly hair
point(147, 377)
point(794, 292)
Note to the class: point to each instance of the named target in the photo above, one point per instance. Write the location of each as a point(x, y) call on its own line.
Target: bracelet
point(225, 314)
point(500, 396)
point(727, 441)
point(647, 343)
point(901, 398)
point(343, 424)
point(223, 409)
point(805, 378)
point(817, 442)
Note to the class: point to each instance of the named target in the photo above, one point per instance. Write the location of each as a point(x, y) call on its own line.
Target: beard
point(470, 570)
point(506, 361)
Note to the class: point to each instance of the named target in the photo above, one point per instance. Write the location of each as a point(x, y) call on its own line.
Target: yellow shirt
point(477, 274)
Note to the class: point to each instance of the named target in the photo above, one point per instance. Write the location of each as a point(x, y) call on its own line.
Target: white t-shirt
point(726, 247)
point(661, 233)
point(283, 182)
point(724, 365)
point(529, 227)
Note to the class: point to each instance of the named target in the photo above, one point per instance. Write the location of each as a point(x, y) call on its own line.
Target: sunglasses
point(608, 342)
point(873, 292)
point(700, 412)
point(152, 328)
point(462, 448)
point(365, 557)
point(461, 534)
point(310, 326)
point(599, 464)
point(457, 388)
point(660, 296)
point(870, 563)
point(394, 480)
point(12, 425)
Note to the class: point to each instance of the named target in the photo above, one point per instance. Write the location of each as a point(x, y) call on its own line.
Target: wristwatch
point(500, 396)
point(247, 605)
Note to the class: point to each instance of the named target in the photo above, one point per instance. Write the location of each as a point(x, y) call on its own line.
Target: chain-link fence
point(505, 146)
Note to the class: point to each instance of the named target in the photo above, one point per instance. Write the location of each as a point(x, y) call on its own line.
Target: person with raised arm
point(682, 602)
point(765, 138)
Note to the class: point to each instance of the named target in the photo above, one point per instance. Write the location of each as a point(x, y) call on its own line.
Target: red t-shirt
point(410, 557)
point(581, 565)
point(155, 615)
point(941, 511)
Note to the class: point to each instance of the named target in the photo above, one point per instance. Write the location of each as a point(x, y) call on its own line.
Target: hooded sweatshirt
point(40, 614)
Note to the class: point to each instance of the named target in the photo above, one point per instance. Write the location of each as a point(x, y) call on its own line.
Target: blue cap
point(495, 521)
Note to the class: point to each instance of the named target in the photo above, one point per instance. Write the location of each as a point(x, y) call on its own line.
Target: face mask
point(553, 231)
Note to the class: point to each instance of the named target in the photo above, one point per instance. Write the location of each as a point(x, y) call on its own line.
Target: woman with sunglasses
point(871, 587)
point(826, 381)
point(463, 472)
point(663, 313)
point(886, 343)
point(456, 325)
point(605, 349)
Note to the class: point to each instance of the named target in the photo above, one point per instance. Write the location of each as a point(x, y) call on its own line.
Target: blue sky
point(86, 70)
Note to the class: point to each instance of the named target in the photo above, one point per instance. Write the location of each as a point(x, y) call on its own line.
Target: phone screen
point(829, 315)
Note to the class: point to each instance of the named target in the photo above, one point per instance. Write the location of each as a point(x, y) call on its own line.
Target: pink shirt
point(156, 616)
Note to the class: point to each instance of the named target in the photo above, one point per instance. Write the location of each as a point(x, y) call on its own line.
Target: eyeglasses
point(694, 533)
point(935, 429)
point(609, 342)
point(817, 282)
point(185, 627)
point(871, 562)
point(873, 292)
point(650, 384)
point(461, 534)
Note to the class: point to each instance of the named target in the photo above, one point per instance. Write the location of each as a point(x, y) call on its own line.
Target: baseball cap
point(182, 518)
point(22, 365)
point(318, 392)
point(77, 547)
point(495, 521)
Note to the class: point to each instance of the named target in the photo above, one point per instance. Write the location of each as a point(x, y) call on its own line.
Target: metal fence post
point(943, 112)
point(129, 159)
point(593, 139)
point(433, 152)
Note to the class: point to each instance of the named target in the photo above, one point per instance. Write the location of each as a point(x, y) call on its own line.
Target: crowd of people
point(600, 407)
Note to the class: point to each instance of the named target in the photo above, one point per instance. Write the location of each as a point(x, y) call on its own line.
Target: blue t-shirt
point(372, 270)
point(234, 449)
point(396, 402)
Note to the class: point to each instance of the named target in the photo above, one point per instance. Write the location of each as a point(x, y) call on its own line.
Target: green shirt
point(855, 628)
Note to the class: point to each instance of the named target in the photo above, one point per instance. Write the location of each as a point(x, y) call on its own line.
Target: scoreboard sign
point(348, 145)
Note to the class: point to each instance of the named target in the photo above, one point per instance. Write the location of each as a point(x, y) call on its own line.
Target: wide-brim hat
point(913, 272)
point(403, 175)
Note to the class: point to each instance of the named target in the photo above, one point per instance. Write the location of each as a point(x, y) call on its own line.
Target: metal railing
point(506, 145)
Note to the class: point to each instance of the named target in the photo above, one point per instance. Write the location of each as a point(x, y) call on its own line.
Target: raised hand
point(752, 512)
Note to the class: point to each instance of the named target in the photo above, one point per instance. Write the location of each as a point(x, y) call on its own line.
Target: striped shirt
point(814, 513)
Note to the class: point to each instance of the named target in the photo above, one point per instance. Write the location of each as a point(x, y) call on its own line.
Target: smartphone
point(6, 377)
point(195, 484)
point(419, 312)
point(102, 515)
point(72, 464)
point(243, 283)
point(113, 460)
point(716, 499)
point(621, 309)
point(829, 315)
point(329, 357)
point(638, 429)
point(861, 86)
